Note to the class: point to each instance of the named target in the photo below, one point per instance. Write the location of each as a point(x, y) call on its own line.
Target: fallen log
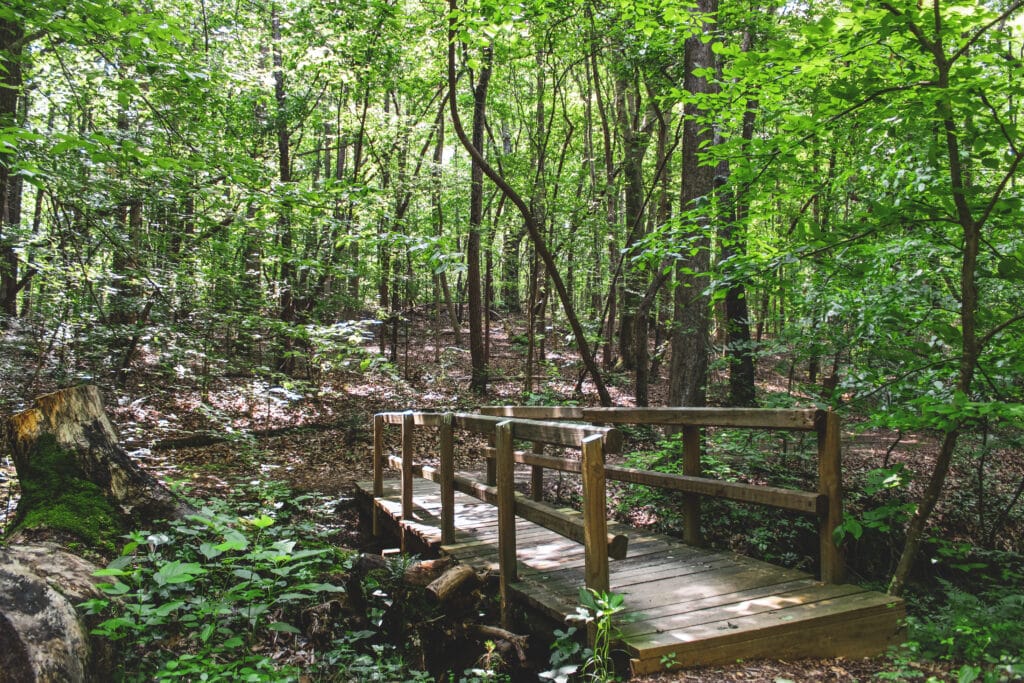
point(453, 582)
point(425, 572)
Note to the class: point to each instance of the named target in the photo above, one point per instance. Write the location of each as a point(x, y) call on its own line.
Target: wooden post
point(833, 569)
point(407, 427)
point(378, 469)
point(490, 477)
point(447, 464)
point(537, 475)
point(691, 502)
point(595, 516)
point(507, 570)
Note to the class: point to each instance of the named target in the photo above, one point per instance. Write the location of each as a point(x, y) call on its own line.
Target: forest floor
point(224, 434)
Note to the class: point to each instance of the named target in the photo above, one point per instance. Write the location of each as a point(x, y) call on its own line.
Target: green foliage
point(731, 455)
point(596, 612)
point(207, 597)
point(488, 669)
point(981, 632)
point(566, 651)
point(887, 485)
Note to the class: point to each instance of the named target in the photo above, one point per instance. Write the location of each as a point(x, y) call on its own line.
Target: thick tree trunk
point(690, 344)
point(68, 461)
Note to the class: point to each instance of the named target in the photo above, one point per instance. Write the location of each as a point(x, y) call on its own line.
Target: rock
point(42, 637)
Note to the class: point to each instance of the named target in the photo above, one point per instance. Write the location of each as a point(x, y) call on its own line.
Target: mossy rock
point(57, 496)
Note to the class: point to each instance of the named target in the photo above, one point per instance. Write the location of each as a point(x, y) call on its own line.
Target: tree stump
point(75, 477)
point(75, 481)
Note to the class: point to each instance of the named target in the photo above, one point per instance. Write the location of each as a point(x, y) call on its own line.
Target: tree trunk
point(692, 307)
point(75, 477)
point(286, 302)
point(532, 228)
point(42, 637)
point(478, 380)
point(11, 37)
point(742, 388)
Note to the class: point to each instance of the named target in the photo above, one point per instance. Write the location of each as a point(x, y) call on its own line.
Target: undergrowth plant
point(217, 597)
point(596, 612)
point(980, 632)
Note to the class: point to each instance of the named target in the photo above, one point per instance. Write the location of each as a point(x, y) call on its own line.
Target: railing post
point(691, 502)
point(505, 473)
point(447, 463)
point(490, 476)
point(595, 516)
point(378, 469)
point(537, 475)
point(407, 451)
point(833, 569)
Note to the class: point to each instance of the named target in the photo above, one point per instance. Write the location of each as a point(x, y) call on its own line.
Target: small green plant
point(565, 653)
point(597, 610)
point(668, 661)
point(211, 598)
point(488, 669)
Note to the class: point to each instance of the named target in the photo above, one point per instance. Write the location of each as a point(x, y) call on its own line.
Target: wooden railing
point(507, 424)
point(589, 527)
point(825, 503)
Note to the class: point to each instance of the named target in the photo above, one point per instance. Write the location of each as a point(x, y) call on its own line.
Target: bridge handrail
point(825, 503)
point(590, 527)
point(553, 433)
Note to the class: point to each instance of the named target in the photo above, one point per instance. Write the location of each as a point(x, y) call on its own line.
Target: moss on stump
point(56, 495)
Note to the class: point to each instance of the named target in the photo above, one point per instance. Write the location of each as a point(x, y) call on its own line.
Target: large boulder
point(42, 637)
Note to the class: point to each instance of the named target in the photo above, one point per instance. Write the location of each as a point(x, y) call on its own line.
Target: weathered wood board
point(684, 605)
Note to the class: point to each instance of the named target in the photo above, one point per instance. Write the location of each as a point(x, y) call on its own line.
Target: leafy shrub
point(983, 632)
point(214, 596)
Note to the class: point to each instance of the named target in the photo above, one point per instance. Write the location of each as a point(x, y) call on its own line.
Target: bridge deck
point(685, 606)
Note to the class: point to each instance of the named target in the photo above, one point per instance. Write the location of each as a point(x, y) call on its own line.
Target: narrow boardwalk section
point(685, 606)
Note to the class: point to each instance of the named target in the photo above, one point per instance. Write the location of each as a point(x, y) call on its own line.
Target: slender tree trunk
point(634, 147)
point(11, 37)
point(286, 275)
point(608, 191)
point(971, 347)
point(478, 379)
point(436, 198)
point(739, 352)
point(531, 225)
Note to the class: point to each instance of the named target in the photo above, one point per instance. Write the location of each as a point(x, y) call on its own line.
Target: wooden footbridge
point(685, 605)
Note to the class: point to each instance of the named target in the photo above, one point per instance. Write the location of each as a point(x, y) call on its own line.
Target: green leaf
point(175, 572)
point(283, 627)
point(261, 522)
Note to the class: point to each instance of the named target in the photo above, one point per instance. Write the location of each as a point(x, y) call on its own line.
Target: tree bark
point(73, 422)
point(42, 637)
point(690, 346)
point(478, 378)
point(11, 37)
